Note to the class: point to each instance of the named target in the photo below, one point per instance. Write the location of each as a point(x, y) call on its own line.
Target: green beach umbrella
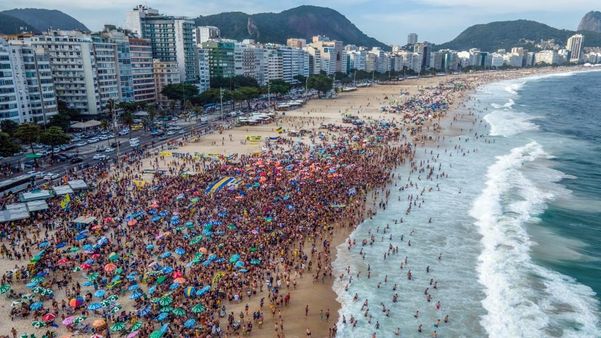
point(155, 300)
point(4, 288)
point(118, 326)
point(79, 319)
point(113, 298)
point(164, 301)
point(198, 308)
point(161, 279)
point(38, 324)
point(166, 309)
point(105, 303)
point(179, 312)
point(196, 240)
point(37, 279)
point(156, 334)
point(74, 249)
point(136, 326)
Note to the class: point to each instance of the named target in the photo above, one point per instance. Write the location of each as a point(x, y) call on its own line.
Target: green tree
point(300, 81)
point(9, 126)
point(54, 136)
point(321, 83)
point(28, 133)
point(245, 94)
point(280, 87)
point(7, 146)
point(127, 118)
point(180, 92)
point(235, 82)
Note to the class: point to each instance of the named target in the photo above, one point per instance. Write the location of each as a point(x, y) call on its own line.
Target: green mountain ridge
point(508, 34)
point(11, 25)
point(42, 19)
point(300, 22)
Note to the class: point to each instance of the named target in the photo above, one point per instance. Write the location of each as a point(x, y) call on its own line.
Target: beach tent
point(85, 220)
point(37, 205)
point(13, 215)
point(35, 195)
point(78, 185)
point(86, 125)
point(62, 190)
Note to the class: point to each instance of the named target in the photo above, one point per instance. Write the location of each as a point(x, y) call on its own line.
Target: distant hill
point(43, 19)
point(10, 25)
point(507, 34)
point(591, 22)
point(299, 22)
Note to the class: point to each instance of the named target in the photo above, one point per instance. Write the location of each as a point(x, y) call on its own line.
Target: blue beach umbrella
point(188, 324)
point(133, 287)
point(180, 251)
point(36, 306)
point(94, 306)
point(166, 254)
point(99, 293)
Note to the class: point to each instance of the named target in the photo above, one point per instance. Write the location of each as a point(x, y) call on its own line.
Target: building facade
point(165, 73)
point(85, 73)
point(144, 87)
point(26, 84)
point(574, 45)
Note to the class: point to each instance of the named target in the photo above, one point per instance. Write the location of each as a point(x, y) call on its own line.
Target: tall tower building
point(412, 39)
point(574, 45)
point(171, 38)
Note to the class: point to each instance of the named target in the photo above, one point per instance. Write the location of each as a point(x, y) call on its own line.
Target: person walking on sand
point(306, 310)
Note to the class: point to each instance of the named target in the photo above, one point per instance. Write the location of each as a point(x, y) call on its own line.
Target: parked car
point(99, 157)
point(76, 160)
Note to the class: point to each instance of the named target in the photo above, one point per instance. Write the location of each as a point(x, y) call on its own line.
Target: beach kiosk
point(78, 185)
point(35, 195)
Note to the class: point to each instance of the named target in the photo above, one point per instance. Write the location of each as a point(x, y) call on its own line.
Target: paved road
point(147, 140)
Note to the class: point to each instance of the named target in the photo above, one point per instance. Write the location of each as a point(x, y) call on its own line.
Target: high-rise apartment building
point(204, 69)
point(165, 73)
point(574, 45)
point(296, 43)
point(26, 85)
point(85, 72)
point(144, 87)
point(171, 38)
point(117, 36)
point(203, 34)
point(412, 39)
point(331, 52)
point(221, 57)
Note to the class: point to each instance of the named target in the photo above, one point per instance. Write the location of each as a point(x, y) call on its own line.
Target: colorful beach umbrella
point(198, 308)
point(118, 326)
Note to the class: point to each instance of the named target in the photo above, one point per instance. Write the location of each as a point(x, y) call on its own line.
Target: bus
point(16, 184)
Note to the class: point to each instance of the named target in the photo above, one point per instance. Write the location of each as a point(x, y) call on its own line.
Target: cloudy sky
point(387, 20)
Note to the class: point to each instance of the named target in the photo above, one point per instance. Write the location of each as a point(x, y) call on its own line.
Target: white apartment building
point(204, 82)
point(26, 85)
point(574, 45)
point(274, 69)
point(165, 73)
point(171, 38)
point(498, 60)
point(357, 59)
point(203, 34)
point(295, 62)
point(549, 57)
point(144, 88)
point(332, 55)
point(85, 73)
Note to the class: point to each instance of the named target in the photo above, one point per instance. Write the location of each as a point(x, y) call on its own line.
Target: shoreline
point(318, 295)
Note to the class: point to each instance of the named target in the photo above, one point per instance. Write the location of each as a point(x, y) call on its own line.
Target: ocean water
point(517, 224)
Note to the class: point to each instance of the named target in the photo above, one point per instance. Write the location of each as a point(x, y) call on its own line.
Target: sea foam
point(523, 299)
